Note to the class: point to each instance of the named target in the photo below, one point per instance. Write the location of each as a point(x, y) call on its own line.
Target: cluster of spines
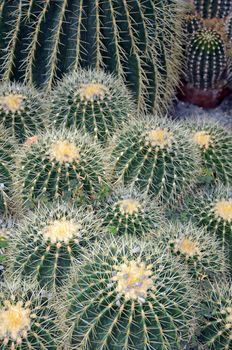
point(206, 59)
point(45, 246)
point(90, 100)
point(43, 40)
point(61, 163)
point(155, 155)
point(213, 8)
point(128, 295)
point(129, 212)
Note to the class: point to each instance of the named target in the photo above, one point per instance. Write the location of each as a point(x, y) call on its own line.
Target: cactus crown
point(206, 59)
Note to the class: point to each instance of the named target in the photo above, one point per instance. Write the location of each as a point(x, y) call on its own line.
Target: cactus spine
point(206, 59)
point(61, 164)
point(26, 319)
point(128, 295)
point(21, 110)
point(46, 245)
point(213, 8)
point(138, 41)
point(94, 101)
point(157, 156)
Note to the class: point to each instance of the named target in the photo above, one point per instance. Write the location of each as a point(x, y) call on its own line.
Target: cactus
point(21, 110)
point(129, 295)
point(206, 59)
point(215, 143)
point(216, 328)
point(7, 148)
point(94, 101)
point(229, 28)
point(26, 319)
point(46, 245)
point(193, 24)
point(61, 164)
point(128, 212)
point(138, 41)
point(157, 156)
point(213, 8)
point(194, 248)
point(213, 210)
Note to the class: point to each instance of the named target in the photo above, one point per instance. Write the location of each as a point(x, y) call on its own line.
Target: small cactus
point(128, 212)
point(45, 246)
point(94, 101)
point(21, 110)
point(193, 24)
point(61, 164)
point(213, 210)
point(26, 319)
point(215, 144)
point(206, 59)
point(213, 8)
point(216, 328)
point(7, 148)
point(157, 156)
point(128, 295)
point(194, 248)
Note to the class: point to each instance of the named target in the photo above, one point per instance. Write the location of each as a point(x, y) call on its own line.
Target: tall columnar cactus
point(229, 28)
point(7, 149)
point(206, 59)
point(94, 101)
point(156, 155)
point(128, 295)
point(194, 248)
point(213, 210)
point(128, 212)
point(215, 143)
point(21, 110)
point(46, 245)
point(26, 319)
point(61, 164)
point(139, 41)
point(213, 8)
point(216, 328)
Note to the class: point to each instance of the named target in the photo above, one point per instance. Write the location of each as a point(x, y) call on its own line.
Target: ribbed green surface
point(213, 8)
point(102, 318)
point(229, 28)
point(137, 40)
point(206, 59)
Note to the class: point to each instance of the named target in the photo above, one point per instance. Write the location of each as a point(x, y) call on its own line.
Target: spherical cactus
point(45, 246)
point(157, 156)
point(61, 164)
point(129, 295)
point(206, 59)
point(7, 149)
point(215, 144)
point(213, 210)
point(213, 8)
point(21, 110)
point(129, 212)
point(193, 247)
point(26, 319)
point(216, 328)
point(94, 101)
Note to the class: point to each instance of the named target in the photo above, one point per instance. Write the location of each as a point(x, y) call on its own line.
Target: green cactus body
point(7, 149)
point(215, 143)
point(213, 211)
point(21, 110)
point(156, 156)
point(46, 245)
point(93, 101)
point(229, 28)
point(194, 248)
point(128, 295)
point(61, 164)
point(216, 328)
point(26, 319)
point(140, 41)
point(213, 8)
point(193, 24)
point(206, 59)
point(128, 212)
